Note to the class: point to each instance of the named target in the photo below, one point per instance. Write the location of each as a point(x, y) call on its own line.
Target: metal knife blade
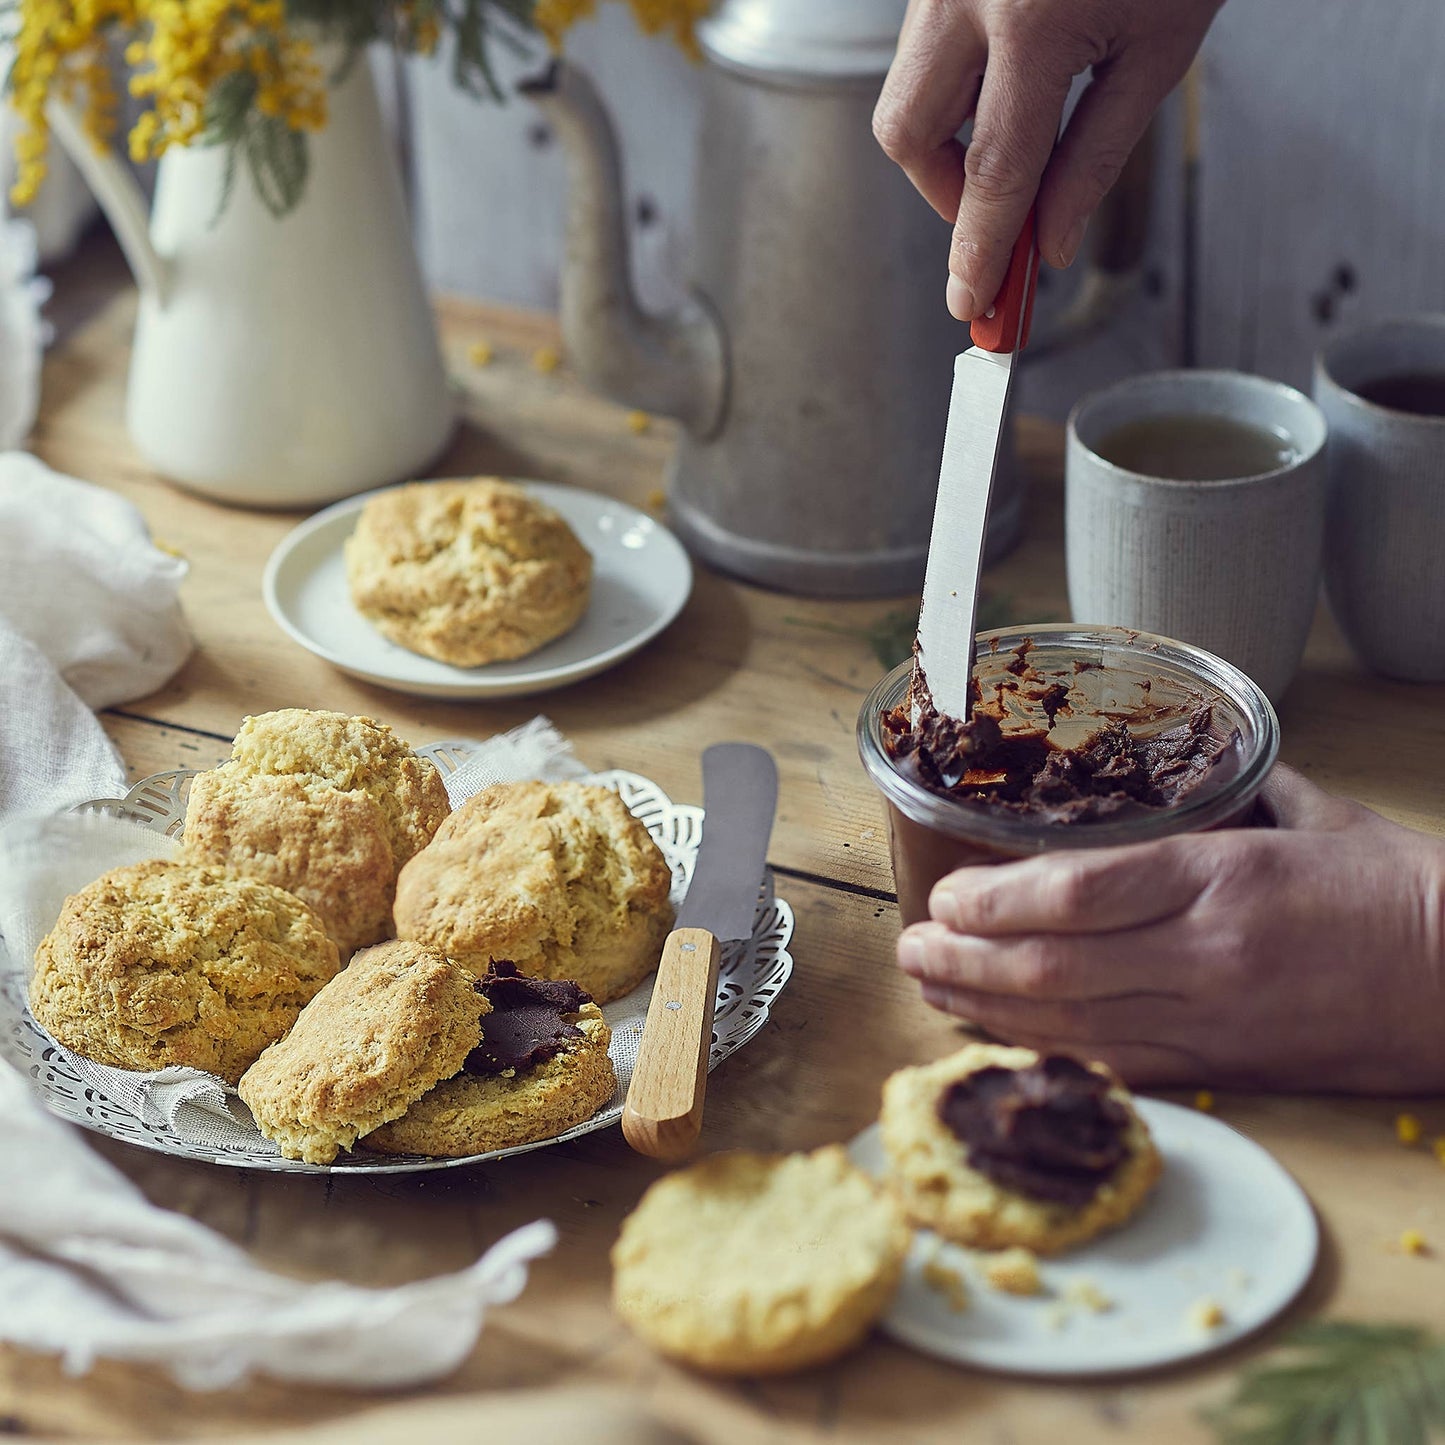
point(947, 623)
point(740, 796)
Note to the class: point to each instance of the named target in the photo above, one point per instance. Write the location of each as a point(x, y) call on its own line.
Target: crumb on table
point(1014, 1271)
point(1438, 1147)
point(1413, 1242)
point(638, 422)
point(1407, 1130)
point(546, 359)
point(656, 500)
point(480, 353)
point(1204, 1101)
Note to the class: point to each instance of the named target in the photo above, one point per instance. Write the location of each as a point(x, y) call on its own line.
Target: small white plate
point(641, 578)
point(1226, 1223)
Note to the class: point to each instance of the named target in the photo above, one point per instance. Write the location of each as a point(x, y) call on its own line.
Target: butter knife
point(977, 410)
point(663, 1113)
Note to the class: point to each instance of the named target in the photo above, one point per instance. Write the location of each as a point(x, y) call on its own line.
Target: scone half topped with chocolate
point(558, 878)
point(540, 1067)
point(327, 806)
point(165, 963)
point(467, 572)
point(995, 1147)
point(391, 1024)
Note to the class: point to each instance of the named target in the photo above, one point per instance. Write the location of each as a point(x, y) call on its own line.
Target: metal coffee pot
point(811, 369)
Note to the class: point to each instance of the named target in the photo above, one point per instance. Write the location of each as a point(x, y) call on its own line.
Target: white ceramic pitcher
point(278, 362)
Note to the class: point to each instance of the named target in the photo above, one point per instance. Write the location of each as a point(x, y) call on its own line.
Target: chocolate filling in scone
point(529, 1022)
point(1050, 1130)
point(996, 1147)
point(540, 1067)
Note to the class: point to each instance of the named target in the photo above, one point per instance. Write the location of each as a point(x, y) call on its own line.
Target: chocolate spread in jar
point(1050, 1130)
point(1034, 747)
point(529, 1022)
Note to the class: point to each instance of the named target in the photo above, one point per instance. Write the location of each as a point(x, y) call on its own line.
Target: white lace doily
point(751, 976)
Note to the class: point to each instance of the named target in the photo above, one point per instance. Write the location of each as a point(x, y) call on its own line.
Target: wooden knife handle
point(1006, 327)
point(663, 1113)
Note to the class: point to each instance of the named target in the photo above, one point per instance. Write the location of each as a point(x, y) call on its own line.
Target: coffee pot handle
point(1114, 260)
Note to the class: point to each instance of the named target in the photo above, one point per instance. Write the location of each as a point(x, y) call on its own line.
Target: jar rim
point(1020, 834)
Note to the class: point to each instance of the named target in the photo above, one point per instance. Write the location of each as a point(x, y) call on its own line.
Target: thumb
point(1292, 801)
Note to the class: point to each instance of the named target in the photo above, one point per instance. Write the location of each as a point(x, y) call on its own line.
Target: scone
point(558, 878)
point(467, 572)
point(541, 1067)
point(171, 963)
point(371, 1043)
point(749, 1264)
point(327, 806)
point(995, 1147)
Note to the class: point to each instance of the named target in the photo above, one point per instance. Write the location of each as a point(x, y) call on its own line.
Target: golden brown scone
point(467, 572)
point(558, 878)
point(171, 963)
point(749, 1264)
point(324, 805)
point(930, 1173)
point(475, 1113)
point(373, 1041)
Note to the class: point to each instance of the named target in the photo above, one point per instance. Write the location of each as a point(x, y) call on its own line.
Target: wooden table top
point(740, 663)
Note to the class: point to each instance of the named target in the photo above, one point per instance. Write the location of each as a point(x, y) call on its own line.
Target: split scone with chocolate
point(995, 1147)
point(166, 963)
point(541, 1067)
point(391, 1024)
point(327, 806)
point(558, 878)
point(467, 572)
point(747, 1264)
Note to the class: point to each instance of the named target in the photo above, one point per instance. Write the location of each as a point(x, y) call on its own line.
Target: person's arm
point(1009, 65)
point(1309, 956)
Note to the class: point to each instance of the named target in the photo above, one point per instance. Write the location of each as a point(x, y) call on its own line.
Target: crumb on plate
point(1014, 1271)
point(1206, 1314)
point(948, 1282)
point(1086, 1293)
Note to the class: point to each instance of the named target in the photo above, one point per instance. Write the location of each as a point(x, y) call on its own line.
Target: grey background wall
point(1318, 196)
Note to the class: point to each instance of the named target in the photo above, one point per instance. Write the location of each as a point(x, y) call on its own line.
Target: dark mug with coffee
point(1382, 390)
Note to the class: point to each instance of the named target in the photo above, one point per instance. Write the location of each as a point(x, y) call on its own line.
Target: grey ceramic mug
point(1385, 542)
point(1232, 566)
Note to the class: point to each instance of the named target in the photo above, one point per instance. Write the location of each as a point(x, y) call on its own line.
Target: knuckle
point(1104, 169)
point(1041, 969)
point(895, 133)
point(993, 170)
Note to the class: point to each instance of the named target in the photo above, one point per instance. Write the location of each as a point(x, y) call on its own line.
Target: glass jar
point(1112, 672)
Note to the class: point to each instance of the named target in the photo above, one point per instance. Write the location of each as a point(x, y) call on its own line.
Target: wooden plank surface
point(740, 663)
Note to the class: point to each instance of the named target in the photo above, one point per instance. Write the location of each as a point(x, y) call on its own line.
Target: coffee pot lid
point(806, 38)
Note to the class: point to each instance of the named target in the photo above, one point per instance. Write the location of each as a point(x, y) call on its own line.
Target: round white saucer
point(640, 580)
point(1226, 1224)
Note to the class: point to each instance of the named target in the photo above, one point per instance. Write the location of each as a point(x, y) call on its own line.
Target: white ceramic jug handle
point(120, 197)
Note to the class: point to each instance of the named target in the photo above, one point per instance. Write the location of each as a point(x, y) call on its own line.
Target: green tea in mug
point(1196, 447)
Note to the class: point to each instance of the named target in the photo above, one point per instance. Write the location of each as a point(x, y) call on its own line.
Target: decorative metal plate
point(751, 976)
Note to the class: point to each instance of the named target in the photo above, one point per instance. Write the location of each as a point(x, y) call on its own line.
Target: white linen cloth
point(89, 1268)
point(89, 617)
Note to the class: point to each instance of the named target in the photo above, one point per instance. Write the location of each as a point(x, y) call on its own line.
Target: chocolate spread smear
point(528, 1023)
point(1005, 760)
point(1050, 1131)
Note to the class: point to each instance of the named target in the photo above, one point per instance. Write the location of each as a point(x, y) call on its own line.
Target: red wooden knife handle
point(1000, 330)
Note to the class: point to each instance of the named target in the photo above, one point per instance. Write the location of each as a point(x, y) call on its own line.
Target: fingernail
point(943, 905)
point(910, 953)
point(960, 300)
point(1075, 238)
